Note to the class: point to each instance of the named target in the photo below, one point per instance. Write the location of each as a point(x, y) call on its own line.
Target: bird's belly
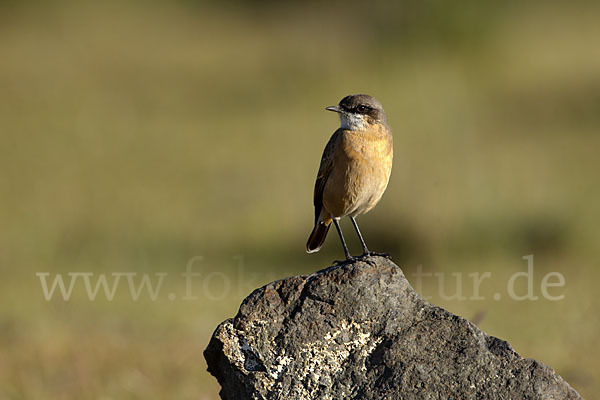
point(356, 189)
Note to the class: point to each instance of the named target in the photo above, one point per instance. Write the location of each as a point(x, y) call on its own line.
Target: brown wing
point(324, 171)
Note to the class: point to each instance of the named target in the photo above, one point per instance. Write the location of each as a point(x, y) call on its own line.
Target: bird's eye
point(362, 109)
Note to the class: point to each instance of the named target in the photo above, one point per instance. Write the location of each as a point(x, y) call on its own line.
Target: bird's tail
point(317, 236)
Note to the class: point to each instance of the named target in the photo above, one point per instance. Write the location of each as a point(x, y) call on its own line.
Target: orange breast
point(362, 163)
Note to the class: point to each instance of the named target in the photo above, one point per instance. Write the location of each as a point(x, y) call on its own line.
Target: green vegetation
point(134, 137)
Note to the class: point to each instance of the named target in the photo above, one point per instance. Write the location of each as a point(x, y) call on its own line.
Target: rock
point(360, 331)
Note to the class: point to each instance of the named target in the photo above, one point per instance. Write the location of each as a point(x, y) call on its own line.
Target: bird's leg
point(366, 251)
point(346, 252)
point(362, 241)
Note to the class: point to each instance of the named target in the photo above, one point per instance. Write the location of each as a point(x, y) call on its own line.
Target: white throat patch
point(353, 122)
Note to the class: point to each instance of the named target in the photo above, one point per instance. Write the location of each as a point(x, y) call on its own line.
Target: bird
point(355, 169)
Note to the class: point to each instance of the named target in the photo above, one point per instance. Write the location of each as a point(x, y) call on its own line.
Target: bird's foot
point(374, 254)
point(346, 261)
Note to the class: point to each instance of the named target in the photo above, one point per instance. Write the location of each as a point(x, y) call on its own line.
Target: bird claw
point(373, 254)
point(346, 261)
point(363, 257)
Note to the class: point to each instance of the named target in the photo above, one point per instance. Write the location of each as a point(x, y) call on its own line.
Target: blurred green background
point(137, 135)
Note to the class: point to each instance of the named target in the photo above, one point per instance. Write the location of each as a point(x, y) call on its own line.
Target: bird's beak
point(336, 109)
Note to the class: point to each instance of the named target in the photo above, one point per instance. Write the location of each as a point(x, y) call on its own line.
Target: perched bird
point(355, 168)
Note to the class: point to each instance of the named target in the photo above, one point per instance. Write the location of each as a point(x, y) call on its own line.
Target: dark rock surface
point(360, 331)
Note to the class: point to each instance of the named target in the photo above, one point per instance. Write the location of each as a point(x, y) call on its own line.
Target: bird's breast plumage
point(362, 163)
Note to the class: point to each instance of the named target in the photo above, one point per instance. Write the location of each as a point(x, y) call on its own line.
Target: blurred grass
point(135, 136)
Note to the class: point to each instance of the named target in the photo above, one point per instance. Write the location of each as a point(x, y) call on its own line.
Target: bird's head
point(359, 111)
